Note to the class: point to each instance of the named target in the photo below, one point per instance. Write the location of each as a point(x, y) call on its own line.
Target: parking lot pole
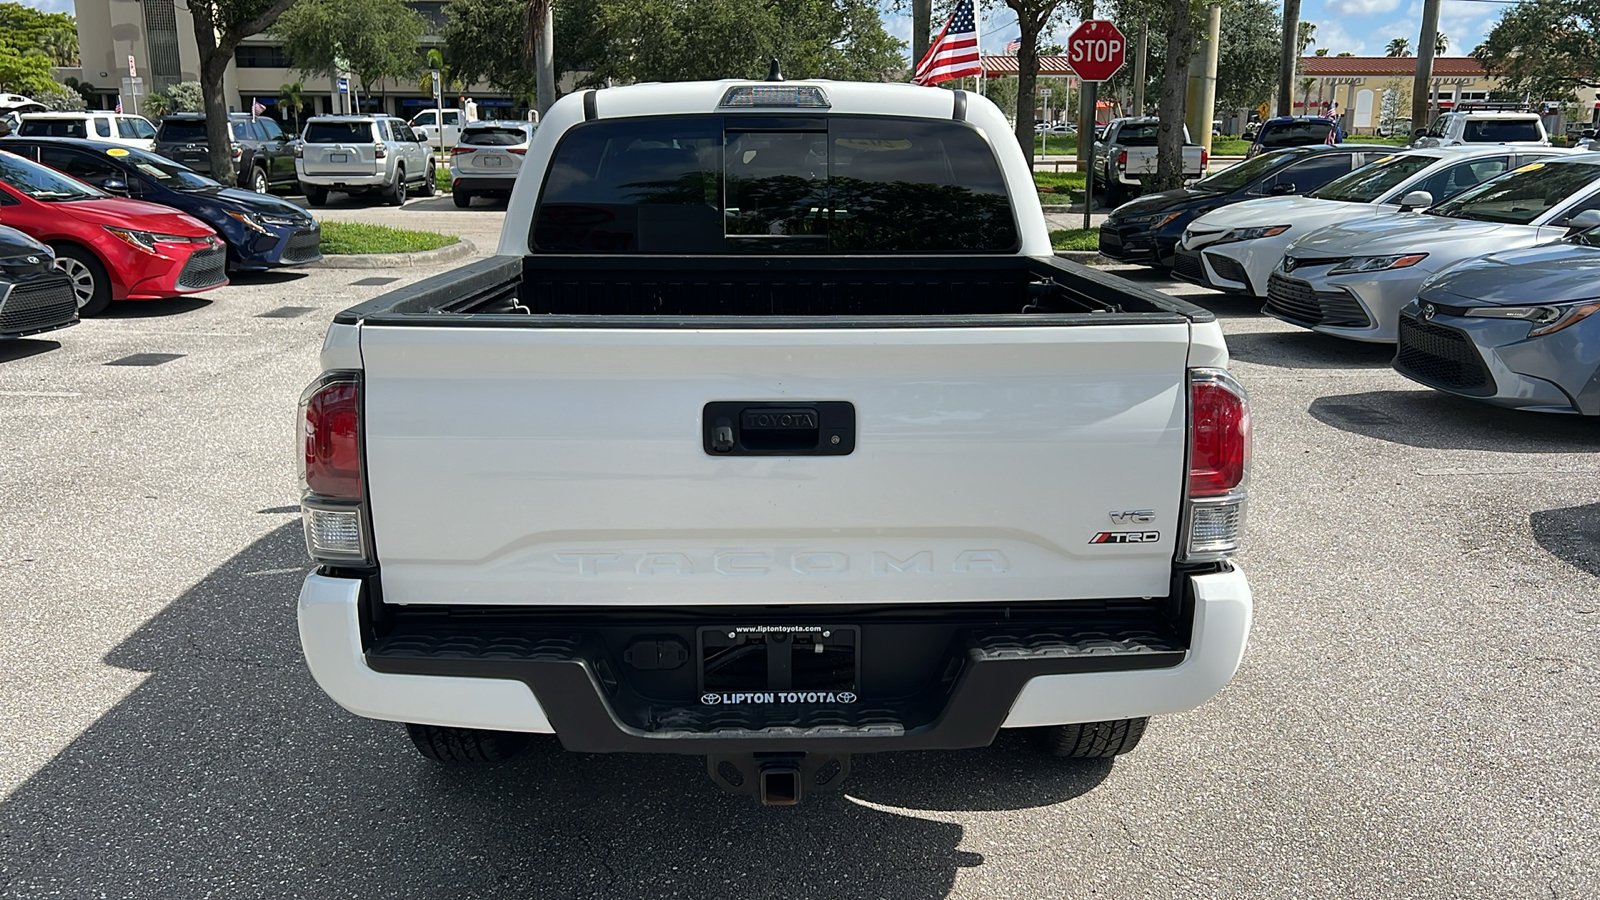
point(1091, 98)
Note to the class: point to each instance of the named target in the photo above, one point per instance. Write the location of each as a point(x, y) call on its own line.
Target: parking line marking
point(40, 394)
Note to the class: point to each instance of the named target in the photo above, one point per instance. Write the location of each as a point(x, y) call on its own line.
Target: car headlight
point(1251, 234)
point(1155, 220)
point(1546, 319)
point(1377, 263)
point(250, 220)
point(147, 240)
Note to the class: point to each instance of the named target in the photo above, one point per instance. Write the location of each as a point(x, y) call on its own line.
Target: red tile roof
point(1388, 66)
point(1052, 66)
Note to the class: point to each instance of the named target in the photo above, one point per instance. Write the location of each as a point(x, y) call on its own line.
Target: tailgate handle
point(752, 428)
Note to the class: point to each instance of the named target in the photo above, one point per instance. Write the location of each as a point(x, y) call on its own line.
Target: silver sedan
point(1350, 280)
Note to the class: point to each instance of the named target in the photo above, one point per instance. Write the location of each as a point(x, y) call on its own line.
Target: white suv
point(360, 155)
point(96, 125)
point(1453, 129)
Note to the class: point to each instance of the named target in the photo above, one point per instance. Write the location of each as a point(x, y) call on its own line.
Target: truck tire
point(1095, 740)
point(315, 196)
point(430, 184)
point(462, 197)
point(465, 746)
point(396, 196)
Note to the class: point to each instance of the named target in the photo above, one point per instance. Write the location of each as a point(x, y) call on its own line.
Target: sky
point(1362, 27)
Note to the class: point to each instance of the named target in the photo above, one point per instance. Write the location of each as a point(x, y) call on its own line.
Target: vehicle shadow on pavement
point(270, 276)
point(22, 348)
point(150, 309)
point(1571, 534)
point(1432, 420)
point(1308, 350)
point(228, 772)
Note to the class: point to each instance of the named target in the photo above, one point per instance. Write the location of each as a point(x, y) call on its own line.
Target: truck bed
point(877, 292)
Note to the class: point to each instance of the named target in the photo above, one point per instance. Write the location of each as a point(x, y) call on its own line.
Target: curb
point(1086, 257)
point(445, 254)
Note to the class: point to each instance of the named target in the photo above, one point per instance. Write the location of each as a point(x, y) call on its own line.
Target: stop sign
point(1096, 50)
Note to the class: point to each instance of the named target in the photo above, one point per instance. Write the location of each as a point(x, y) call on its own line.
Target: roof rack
point(1491, 106)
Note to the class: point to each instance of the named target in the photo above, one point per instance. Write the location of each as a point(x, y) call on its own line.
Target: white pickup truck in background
point(1126, 157)
point(775, 433)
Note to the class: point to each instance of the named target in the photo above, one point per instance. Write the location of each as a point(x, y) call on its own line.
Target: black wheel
point(1095, 740)
point(89, 280)
point(430, 185)
point(258, 180)
point(316, 196)
point(466, 746)
point(463, 198)
point(396, 196)
point(1116, 194)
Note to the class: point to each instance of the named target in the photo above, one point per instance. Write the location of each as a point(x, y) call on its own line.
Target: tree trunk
point(219, 138)
point(1421, 107)
point(1290, 56)
point(1027, 84)
point(921, 36)
point(1174, 81)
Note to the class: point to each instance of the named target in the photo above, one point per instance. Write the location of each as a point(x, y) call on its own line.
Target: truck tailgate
point(566, 466)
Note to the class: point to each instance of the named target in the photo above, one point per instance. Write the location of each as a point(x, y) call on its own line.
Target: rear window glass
point(339, 133)
point(1143, 135)
point(1499, 131)
point(184, 130)
point(70, 128)
point(494, 137)
point(1294, 134)
point(1374, 179)
point(708, 184)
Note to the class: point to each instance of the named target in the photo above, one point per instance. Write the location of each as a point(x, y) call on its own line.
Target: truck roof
point(842, 97)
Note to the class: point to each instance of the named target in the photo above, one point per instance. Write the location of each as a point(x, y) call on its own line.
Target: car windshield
point(1502, 131)
point(339, 133)
point(68, 128)
point(1242, 175)
point(494, 137)
point(43, 183)
point(1373, 180)
point(167, 173)
point(186, 130)
point(1294, 134)
point(1521, 196)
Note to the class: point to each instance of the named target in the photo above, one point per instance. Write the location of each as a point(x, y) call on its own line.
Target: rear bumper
point(484, 182)
point(446, 670)
point(342, 182)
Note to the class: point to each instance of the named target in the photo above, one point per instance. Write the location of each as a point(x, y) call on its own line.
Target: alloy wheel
point(82, 279)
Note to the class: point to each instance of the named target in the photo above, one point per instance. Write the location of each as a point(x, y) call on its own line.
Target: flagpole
point(977, 26)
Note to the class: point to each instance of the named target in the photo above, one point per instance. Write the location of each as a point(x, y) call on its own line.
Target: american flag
point(955, 53)
point(1014, 45)
point(256, 108)
point(119, 105)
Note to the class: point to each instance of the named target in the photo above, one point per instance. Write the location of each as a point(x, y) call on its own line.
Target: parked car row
point(120, 223)
point(1481, 262)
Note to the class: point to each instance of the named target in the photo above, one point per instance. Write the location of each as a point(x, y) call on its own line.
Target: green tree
point(24, 71)
point(1441, 43)
point(1398, 47)
point(291, 100)
point(219, 26)
point(1034, 17)
point(30, 43)
point(61, 45)
point(376, 39)
point(1247, 58)
point(185, 96)
point(1545, 48)
point(61, 99)
point(154, 106)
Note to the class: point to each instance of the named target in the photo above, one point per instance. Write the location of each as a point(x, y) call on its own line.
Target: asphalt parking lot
point(1415, 717)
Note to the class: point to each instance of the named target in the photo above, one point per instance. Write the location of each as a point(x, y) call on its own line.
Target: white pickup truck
point(775, 433)
point(1126, 158)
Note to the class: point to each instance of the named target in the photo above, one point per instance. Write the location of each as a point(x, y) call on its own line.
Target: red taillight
point(331, 423)
point(1219, 434)
point(520, 151)
point(1122, 160)
point(380, 152)
point(1205, 158)
point(459, 150)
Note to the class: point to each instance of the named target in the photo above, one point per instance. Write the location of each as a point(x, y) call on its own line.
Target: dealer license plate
point(338, 157)
point(493, 161)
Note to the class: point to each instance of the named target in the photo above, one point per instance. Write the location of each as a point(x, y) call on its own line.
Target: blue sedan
point(262, 231)
point(1517, 329)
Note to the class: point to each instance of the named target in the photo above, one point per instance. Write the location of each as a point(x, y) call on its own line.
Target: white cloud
point(53, 6)
point(1360, 7)
point(1333, 36)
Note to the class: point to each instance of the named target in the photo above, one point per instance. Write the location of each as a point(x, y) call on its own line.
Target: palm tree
point(1306, 84)
point(1441, 43)
point(1398, 47)
point(292, 99)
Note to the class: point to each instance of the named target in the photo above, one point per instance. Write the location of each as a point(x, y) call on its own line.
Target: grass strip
point(352, 238)
point(1076, 239)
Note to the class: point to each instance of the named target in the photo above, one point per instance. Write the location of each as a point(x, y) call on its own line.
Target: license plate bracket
point(493, 161)
point(338, 157)
point(779, 664)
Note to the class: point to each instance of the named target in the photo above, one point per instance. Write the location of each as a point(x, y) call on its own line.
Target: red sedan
point(113, 248)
